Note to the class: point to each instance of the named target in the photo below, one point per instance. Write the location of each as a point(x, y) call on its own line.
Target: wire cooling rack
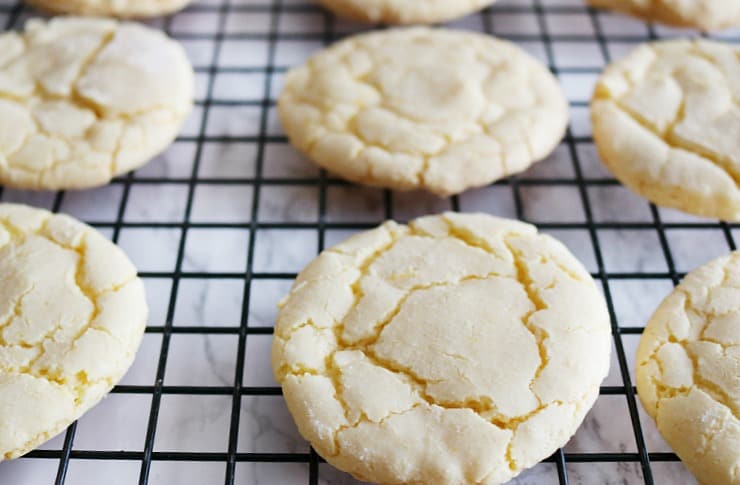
point(220, 224)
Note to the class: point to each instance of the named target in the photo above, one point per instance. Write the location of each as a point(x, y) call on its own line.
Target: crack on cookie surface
point(85, 149)
point(59, 338)
point(712, 389)
point(699, 132)
point(405, 164)
point(701, 317)
point(514, 264)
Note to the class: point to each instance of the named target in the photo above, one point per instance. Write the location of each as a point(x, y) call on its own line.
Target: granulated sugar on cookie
point(83, 100)
point(460, 349)
point(405, 11)
point(666, 122)
point(423, 108)
point(688, 370)
point(72, 315)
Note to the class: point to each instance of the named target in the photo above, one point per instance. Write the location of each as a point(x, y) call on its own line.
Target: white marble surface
point(221, 244)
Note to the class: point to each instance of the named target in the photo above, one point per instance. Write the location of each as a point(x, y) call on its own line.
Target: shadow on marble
point(151, 249)
point(410, 205)
point(263, 300)
point(688, 255)
point(354, 204)
point(497, 200)
point(578, 241)
point(605, 429)
point(558, 164)
point(542, 473)
point(635, 300)
point(228, 160)
point(289, 203)
point(672, 473)
point(257, 362)
point(177, 160)
point(149, 203)
point(143, 371)
point(101, 204)
point(28, 471)
point(644, 256)
point(43, 200)
point(118, 422)
point(617, 204)
point(89, 472)
point(266, 426)
point(590, 162)
point(281, 160)
point(545, 203)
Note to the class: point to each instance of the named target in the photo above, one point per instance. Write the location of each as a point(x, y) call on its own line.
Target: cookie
point(688, 370)
point(701, 14)
point(459, 349)
point(72, 315)
point(666, 122)
point(110, 8)
point(404, 11)
point(423, 108)
point(83, 100)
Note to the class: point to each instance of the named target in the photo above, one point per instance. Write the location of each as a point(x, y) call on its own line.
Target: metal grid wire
point(181, 210)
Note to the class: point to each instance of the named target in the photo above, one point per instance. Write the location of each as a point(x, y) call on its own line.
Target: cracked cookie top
point(666, 121)
point(111, 8)
point(84, 100)
point(688, 370)
point(460, 349)
point(405, 11)
point(423, 108)
point(72, 315)
point(701, 14)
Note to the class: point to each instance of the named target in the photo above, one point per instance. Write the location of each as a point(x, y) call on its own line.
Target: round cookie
point(72, 315)
point(460, 349)
point(424, 108)
point(404, 11)
point(83, 100)
point(701, 14)
point(666, 121)
point(688, 370)
point(110, 8)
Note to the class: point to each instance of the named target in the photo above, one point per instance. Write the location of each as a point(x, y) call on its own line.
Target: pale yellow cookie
point(688, 371)
point(83, 100)
point(111, 8)
point(424, 108)
point(700, 14)
point(405, 11)
point(72, 314)
point(461, 349)
point(666, 121)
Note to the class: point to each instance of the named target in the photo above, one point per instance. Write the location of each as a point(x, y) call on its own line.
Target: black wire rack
point(231, 186)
